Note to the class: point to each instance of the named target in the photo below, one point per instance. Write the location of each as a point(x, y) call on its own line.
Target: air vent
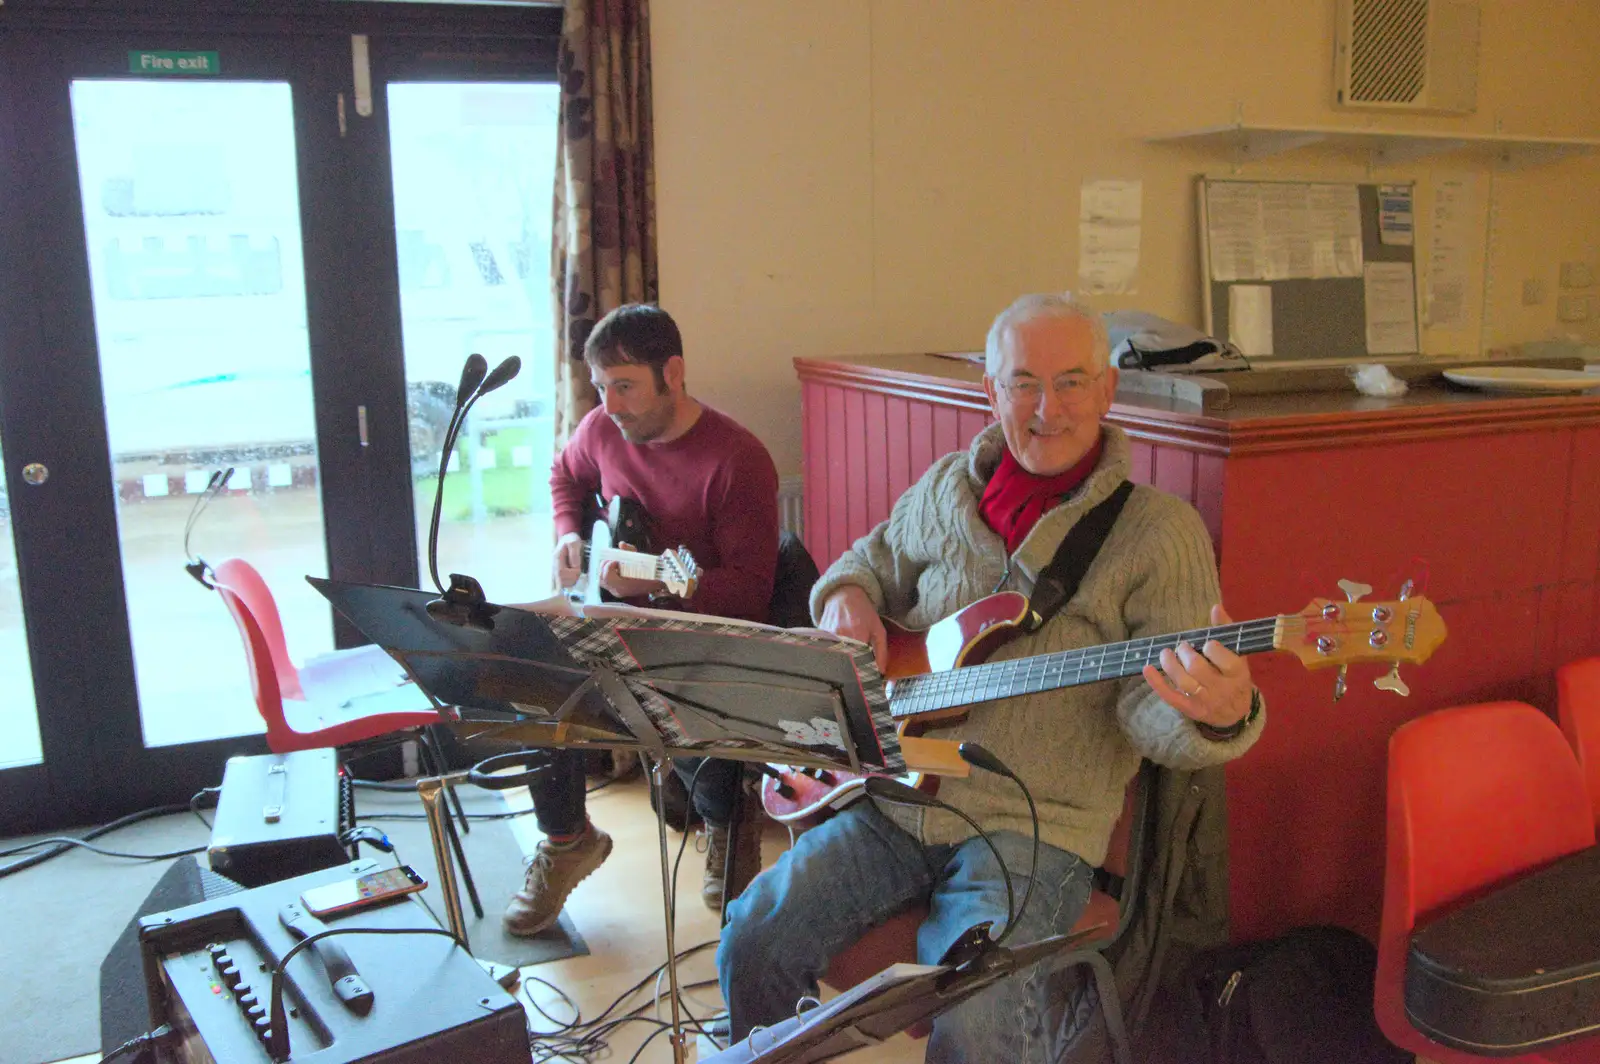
point(1412, 55)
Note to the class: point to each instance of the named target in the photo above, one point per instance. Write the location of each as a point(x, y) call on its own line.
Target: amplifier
point(208, 973)
point(280, 815)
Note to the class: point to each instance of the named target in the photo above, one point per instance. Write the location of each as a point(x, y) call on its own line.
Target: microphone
point(502, 374)
point(463, 603)
point(197, 567)
point(980, 757)
point(895, 791)
point(471, 377)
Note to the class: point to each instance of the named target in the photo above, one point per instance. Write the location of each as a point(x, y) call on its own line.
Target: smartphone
point(373, 888)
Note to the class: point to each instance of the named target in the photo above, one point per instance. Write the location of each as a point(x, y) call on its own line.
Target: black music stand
point(658, 683)
point(892, 1001)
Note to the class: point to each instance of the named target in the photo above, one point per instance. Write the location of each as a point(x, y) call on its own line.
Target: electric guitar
point(623, 521)
point(934, 674)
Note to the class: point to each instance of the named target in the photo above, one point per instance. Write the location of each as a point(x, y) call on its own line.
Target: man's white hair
point(1044, 305)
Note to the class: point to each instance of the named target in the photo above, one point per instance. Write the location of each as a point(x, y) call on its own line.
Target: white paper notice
point(1108, 236)
point(1391, 308)
point(1250, 318)
point(1335, 212)
point(1395, 225)
point(1454, 210)
point(1283, 230)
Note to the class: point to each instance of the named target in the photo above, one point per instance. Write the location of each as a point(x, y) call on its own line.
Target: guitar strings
point(999, 679)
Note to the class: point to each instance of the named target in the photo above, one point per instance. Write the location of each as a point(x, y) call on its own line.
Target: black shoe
point(679, 816)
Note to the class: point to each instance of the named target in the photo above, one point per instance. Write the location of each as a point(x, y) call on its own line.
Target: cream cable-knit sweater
point(1075, 747)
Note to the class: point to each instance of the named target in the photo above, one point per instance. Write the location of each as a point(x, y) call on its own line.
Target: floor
point(618, 910)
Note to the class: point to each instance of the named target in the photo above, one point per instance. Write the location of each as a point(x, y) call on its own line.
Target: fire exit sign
point(191, 63)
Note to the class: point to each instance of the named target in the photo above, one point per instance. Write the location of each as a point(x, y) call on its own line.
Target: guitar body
point(966, 637)
point(623, 521)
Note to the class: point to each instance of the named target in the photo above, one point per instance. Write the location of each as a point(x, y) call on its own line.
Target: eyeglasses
point(1069, 388)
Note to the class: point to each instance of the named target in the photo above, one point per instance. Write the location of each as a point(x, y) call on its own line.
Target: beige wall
point(857, 176)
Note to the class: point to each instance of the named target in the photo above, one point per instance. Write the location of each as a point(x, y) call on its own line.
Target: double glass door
point(254, 263)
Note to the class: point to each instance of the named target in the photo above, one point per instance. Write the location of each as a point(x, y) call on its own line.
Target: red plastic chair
point(1578, 707)
point(293, 722)
point(1111, 904)
point(1477, 794)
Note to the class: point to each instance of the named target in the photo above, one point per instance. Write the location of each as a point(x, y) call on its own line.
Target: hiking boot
point(553, 871)
point(714, 890)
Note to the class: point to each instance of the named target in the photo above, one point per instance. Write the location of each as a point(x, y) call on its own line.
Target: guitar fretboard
point(1068, 668)
point(635, 565)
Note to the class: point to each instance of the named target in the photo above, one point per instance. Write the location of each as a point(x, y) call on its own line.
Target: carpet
point(67, 914)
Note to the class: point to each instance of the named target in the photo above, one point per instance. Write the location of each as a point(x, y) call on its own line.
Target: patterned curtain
point(604, 244)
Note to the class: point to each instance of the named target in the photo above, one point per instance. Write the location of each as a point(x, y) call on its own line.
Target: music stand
point(659, 683)
point(890, 1002)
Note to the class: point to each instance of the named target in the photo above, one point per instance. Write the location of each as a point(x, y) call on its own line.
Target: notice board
point(1297, 270)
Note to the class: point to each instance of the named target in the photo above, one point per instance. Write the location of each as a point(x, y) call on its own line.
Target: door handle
point(35, 473)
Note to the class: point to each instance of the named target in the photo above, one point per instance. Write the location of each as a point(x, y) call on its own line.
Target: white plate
point(1524, 379)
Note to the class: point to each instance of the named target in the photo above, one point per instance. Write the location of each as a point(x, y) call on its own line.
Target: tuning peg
point(1354, 590)
point(1338, 683)
point(1391, 681)
point(1405, 590)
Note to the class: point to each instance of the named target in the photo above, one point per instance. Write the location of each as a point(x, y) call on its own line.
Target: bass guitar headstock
point(1331, 633)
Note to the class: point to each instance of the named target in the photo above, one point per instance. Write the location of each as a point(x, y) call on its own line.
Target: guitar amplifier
point(281, 815)
point(208, 973)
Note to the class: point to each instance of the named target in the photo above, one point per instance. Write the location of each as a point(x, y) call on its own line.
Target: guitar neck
point(636, 565)
point(929, 692)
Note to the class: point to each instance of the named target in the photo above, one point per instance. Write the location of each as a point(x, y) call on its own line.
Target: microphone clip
point(202, 573)
point(463, 604)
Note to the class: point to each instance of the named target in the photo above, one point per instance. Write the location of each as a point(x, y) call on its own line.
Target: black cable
point(194, 804)
point(894, 791)
point(278, 1040)
point(65, 843)
point(976, 754)
point(160, 1034)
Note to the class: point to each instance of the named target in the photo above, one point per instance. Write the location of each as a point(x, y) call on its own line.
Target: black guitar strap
point(1060, 579)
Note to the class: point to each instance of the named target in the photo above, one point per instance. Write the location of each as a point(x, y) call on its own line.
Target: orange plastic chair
point(1578, 708)
point(1477, 795)
point(1111, 903)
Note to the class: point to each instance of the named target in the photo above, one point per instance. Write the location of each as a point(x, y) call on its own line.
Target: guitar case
point(1517, 970)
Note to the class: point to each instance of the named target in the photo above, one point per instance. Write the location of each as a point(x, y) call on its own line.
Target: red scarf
point(1015, 499)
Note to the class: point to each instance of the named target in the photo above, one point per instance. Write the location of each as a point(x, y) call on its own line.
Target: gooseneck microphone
point(464, 602)
point(895, 791)
point(980, 757)
point(471, 376)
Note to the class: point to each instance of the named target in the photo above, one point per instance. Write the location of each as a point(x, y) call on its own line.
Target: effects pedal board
point(208, 972)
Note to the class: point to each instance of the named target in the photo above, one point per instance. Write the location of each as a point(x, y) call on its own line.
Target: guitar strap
point(1059, 580)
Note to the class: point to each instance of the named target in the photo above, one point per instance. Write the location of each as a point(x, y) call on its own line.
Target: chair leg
point(1105, 985)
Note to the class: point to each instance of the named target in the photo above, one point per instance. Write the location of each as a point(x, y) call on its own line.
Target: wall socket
point(1533, 292)
point(1573, 307)
point(1576, 275)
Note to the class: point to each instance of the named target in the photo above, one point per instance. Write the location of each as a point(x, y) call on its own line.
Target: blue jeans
point(856, 870)
point(560, 804)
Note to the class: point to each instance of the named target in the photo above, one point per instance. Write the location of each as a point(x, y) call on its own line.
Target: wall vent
point(1407, 55)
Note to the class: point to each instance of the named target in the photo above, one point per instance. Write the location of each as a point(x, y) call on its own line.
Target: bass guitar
point(935, 674)
point(622, 520)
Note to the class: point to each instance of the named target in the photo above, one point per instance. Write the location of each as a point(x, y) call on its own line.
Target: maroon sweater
point(713, 490)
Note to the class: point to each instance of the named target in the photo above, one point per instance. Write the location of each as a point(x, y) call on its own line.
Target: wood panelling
point(1491, 504)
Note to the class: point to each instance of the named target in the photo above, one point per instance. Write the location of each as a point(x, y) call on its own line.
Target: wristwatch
point(1236, 729)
